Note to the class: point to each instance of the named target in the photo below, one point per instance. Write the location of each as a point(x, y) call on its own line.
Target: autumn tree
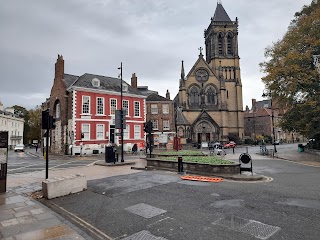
point(291, 77)
point(34, 123)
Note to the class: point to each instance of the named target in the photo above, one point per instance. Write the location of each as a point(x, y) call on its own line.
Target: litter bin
point(300, 148)
point(110, 154)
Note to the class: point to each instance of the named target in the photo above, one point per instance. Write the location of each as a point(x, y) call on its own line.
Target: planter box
point(198, 168)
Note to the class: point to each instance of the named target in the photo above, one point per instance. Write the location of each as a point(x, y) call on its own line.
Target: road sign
point(118, 134)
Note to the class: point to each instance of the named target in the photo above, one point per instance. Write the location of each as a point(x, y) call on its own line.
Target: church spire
point(220, 15)
point(182, 71)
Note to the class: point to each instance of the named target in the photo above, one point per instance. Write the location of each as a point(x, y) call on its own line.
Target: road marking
point(62, 164)
point(267, 179)
point(22, 167)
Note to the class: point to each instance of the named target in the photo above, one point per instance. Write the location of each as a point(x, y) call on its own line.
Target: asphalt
point(23, 217)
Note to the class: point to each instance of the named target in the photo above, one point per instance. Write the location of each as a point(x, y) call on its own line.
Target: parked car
point(230, 144)
point(217, 145)
point(19, 147)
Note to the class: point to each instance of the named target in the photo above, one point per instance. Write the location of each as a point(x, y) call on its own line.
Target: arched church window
point(56, 109)
point(220, 44)
point(229, 42)
point(194, 96)
point(211, 95)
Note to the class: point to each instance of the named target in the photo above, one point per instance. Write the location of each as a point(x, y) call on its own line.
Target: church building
point(209, 104)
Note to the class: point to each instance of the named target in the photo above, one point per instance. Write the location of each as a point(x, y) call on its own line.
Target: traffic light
point(45, 119)
point(148, 127)
point(52, 122)
point(82, 135)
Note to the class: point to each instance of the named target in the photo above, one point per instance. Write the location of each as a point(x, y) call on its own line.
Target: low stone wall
point(62, 186)
point(197, 168)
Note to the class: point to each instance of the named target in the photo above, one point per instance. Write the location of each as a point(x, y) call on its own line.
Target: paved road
point(150, 204)
point(21, 162)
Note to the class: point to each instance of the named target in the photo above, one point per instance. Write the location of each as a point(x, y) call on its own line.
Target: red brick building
point(85, 105)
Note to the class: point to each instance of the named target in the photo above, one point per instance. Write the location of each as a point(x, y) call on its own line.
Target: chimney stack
point(168, 94)
point(253, 104)
point(59, 68)
point(134, 81)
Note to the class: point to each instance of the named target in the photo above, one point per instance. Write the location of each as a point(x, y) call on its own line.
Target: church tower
point(210, 95)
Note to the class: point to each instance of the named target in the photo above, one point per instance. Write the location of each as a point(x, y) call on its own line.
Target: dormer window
point(96, 82)
point(124, 87)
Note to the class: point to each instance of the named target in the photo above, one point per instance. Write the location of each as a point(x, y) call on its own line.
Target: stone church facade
point(209, 104)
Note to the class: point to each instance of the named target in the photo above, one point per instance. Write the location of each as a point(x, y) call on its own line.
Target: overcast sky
point(150, 37)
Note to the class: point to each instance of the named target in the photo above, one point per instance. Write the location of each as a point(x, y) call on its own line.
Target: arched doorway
point(205, 131)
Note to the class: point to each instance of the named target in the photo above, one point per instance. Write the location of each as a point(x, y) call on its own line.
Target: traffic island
point(112, 164)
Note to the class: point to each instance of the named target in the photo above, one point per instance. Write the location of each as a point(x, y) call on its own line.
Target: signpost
point(3, 161)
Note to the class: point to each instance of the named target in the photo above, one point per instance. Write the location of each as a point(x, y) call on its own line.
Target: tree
point(291, 77)
point(34, 123)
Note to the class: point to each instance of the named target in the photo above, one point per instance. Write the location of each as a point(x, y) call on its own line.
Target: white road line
point(22, 167)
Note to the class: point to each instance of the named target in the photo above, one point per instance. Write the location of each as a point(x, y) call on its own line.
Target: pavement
point(22, 217)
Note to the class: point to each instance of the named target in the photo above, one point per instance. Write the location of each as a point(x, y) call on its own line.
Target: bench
point(62, 186)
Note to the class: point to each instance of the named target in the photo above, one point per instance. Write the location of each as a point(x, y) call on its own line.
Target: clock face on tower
point(202, 75)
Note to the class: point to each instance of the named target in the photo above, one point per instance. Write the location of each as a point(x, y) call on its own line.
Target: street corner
point(113, 164)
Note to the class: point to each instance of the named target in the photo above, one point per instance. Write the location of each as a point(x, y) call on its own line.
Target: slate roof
point(145, 91)
point(106, 83)
point(220, 14)
point(156, 98)
point(69, 79)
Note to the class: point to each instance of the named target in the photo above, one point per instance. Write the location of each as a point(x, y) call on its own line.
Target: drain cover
point(143, 235)
point(254, 228)
point(145, 210)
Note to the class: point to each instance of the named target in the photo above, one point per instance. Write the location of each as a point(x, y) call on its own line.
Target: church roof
point(181, 119)
point(220, 14)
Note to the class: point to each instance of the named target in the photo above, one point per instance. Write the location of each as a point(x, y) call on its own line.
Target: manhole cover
point(143, 235)
point(145, 210)
point(254, 228)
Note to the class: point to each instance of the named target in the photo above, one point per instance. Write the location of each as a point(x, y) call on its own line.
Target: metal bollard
point(233, 150)
point(180, 164)
point(246, 149)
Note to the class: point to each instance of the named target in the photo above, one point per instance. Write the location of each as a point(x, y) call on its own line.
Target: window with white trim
point(100, 131)
point(113, 106)
point(137, 109)
point(165, 108)
point(155, 124)
point(166, 125)
point(126, 132)
point(154, 108)
point(85, 104)
point(85, 129)
point(125, 107)
point(100, 105)
point(137, 131)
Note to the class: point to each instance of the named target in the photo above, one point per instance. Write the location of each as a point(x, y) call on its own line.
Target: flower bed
point(199, 159)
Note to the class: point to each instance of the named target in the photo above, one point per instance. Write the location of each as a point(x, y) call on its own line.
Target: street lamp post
point(268, 94)
point(122, 160)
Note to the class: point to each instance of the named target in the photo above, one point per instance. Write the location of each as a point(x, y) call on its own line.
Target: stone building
point(160, 112)
point(13, 124)
point(209, 103)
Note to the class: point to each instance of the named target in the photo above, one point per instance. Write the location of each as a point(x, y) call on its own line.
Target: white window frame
point(134, 114)
point(58, 110)
point(111, 107)
point(86, 134)
point(126, 132)
point(167, 108)
point(164, 125)
point(126, 107)
point(137, 130)
point(100, 132)
point(155, 126)
point(83, 104)
point(154, 108)
point(97, 105)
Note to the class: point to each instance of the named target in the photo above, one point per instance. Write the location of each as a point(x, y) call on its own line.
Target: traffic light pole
point(122, 160)
point(47, 147)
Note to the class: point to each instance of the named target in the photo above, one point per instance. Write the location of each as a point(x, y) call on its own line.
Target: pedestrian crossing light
point(82, 135)
point(52, 122)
